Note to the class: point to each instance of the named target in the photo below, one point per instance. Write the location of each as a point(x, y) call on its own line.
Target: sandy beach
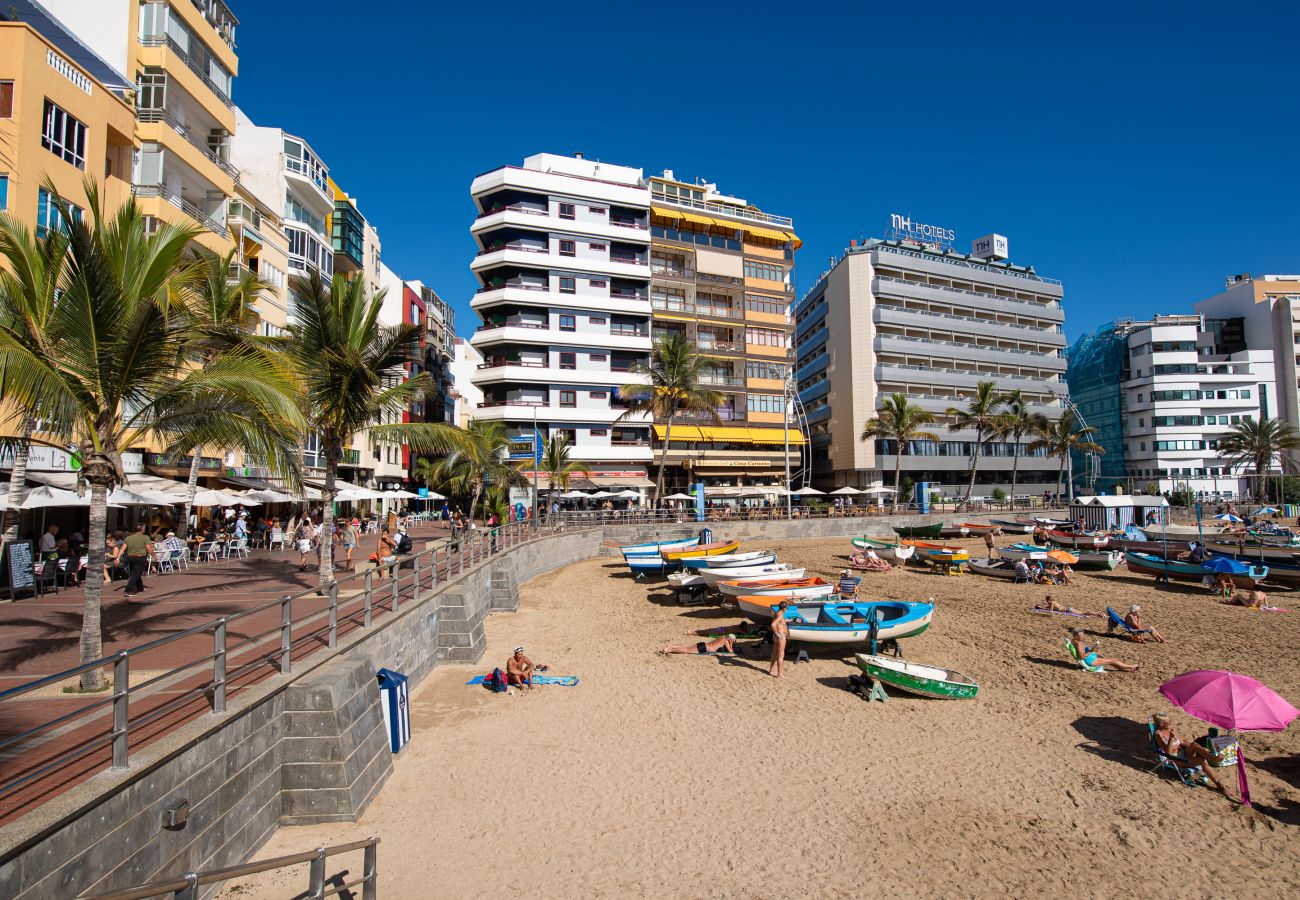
point(704, 777)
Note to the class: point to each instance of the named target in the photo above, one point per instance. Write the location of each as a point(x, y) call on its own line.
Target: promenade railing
point(687, 515)
point(306, 622)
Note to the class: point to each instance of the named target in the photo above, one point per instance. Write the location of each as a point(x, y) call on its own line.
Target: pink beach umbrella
point(1230, 701)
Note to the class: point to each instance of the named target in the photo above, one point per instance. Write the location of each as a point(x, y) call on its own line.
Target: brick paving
point(41, 636)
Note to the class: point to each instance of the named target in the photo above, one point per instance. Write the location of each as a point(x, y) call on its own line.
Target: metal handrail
point(428, 569)
point(186, 887)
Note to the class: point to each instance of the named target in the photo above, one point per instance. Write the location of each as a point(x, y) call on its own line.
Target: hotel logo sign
point(904, 228)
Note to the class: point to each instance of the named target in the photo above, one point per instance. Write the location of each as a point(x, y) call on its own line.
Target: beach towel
point(562, 680)
point(1059, 612)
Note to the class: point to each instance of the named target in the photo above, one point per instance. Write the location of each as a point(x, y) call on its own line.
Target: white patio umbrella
point(434, 495)
point(401, 495)
point(628, 494)
point(680, 496)
point(808, 491)
point(267, 497)
point(877, 489)
point(601, 495)
point(126, 497)
point(221, 498)
point(574, 495)
point(45, 496)
point(847, 490)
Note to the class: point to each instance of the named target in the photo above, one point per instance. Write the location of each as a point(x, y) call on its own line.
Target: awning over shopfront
point(728, 434)
point(621, 481)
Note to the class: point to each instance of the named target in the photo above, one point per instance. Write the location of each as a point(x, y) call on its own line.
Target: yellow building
point(64, 117)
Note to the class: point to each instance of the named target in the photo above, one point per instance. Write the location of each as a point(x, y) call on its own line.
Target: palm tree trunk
point(974, 464)
point(92, 641)
point(1015, 466)
point(1060, 475)
point(473, 500)
point(191, 488)
point(326, 574)
point(18, 478)
point(898, 473)
point(663, 461)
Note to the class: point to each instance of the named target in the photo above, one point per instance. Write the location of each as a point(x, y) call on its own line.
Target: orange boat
point(939, 552)
point(720, 548)
point(801, 588)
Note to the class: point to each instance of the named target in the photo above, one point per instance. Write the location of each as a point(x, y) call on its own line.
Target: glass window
point(568, 284)
point(599, 432)
point(599, 395)
point(568, 360)
point(568, 248)
point(591, 246)
point(48, 215)
point(1245, 395)
point(64, 136)
point(568, 323)
point(567, 211)
point(600, 357)
point(596, 210)
point(4, 192)
point(6, 99)
point(599, 320)
point(568, 398)
point(598, 282)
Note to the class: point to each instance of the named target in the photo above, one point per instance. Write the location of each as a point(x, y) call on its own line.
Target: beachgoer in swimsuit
point(1134, 620)
point(780, 632)
point(1193, 754)
point(1090, 657)
point(519, 669)
point(1050, 605)
point(724, 644)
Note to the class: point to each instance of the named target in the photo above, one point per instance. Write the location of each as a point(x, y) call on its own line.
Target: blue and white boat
point(654, 548)
point(1023, 551)
point(650, 565)
point(731, 560)
point(850, 623)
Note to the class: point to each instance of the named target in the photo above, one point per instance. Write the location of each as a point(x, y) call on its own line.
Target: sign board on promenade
point(18, 567)
point(52, 459)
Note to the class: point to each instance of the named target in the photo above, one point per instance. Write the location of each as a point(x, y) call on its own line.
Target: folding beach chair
point(1069, 647)
point(1189, 774)
point(1117, 623)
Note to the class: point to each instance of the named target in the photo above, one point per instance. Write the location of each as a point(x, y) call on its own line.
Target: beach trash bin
point(396, 706)
point(706, 535)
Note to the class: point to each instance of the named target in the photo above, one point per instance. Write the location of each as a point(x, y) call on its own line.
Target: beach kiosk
point(397, 708)
point(1107, 513)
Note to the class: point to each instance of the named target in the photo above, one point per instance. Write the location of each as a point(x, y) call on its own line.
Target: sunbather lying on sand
point(1255, 599)
point(1192, 753)
point(1089, 656)
point(1050, 605)
point(724, 644)
point(869, 561)
point(740, 628)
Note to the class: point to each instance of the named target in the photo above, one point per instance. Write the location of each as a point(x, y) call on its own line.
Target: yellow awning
point(775, 436)
point(767, 233)
point(680, 432)
point(699, 219)
point(665, 213)
point(794, 239)
point(719, 434)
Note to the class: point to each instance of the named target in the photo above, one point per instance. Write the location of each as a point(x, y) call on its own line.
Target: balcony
point(683, 307)
point(887, 284)
point(724, 414)
point(898, 343)
point(724, 209)
point(147, 116)
point(897, 315)
point(910, 374)
point(722, 380)
point(210, 222)
point(350, 458)
point(163, 40)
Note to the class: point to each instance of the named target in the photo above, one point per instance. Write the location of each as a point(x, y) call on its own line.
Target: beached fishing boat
point(977, 528)
point(731, 560)
point(1149, 564)
point(654, 548)
point(1081, 539)
point(718, 548)
point(1280, 538)
point(851, 623)
point(1046, 522)
point(649, 565)
point(1098, 559)
point(919, 531)
point(918, 678)
point(772, 572)
point(1013, 525)
point(789, 588)
point(890, 551)
point(1145, 546)
point(681, 580)
point(1249, 550)
point(1023, 551)
point(994, 568)
point(1182, 532)
point(954, 531)
point(928, 552)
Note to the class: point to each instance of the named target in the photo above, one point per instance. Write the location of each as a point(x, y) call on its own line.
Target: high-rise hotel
point(910, 315)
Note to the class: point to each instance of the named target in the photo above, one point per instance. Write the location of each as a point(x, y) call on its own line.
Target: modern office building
point(910, 315)
point(181, 55)
point(564, 268)
point(722, 275)
point(65, 115)
point(1162, 392)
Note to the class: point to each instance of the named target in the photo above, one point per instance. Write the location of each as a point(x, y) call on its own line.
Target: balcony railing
point(489, 403)
point(696, 309)
point(519, 285)
point(351, 457)
point(312, 171)
point(1027, 305)
point(511, 323)
point(497, 363)
point(523, 248)
point(725, 209)
point(161, 115)
point(514, 207)
point(720, 279)
point(627, 260)
point(628, 295)
point(660, 271)
point(162, 40)
point(725, 414)
point(628, 332)
point(996, 270)
point(185, 206)
point(1052, 353)
point(886, 308)
point(623, 222)
point(722, 380)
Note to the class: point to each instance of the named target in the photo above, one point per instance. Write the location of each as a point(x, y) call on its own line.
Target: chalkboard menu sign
point(19, 567)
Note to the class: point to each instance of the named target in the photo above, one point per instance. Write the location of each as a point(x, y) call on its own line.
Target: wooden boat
point(718, 548)
point(1013, 525)
point(1249, 550)
point(1148, 564)
point(994, 568)
point(655, 547)
point(1182, 532)
point(977, 528)
point(729, 560)
point(918, 678)
point(1280, 538)
point(1047, 522)
point(954, 531)
point(789, 588)
point(919, 531)
point(649, 565)
point(890, 552)
point(1023, 551)
point(1098, 559)
point(928, 552)
point(680, 580)
point(1081, 539)
point(851, 623)
point(772, 572)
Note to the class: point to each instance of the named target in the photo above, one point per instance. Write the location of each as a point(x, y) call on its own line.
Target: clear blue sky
point(1138, 155)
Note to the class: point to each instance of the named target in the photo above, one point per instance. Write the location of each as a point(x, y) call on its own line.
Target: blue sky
point(1138, 154)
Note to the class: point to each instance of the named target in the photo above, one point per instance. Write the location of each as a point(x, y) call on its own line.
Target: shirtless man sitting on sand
point(519, 670)
point(724, 644)
point(1050, 605)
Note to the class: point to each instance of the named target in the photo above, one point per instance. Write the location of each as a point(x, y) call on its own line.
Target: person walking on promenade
point(302, 539)
point(138, 551)
point(780, 633)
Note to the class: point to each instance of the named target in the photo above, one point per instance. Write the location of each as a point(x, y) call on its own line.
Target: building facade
point(465, 393)
point(910, 315)
point(722, 276)
point(564, 268)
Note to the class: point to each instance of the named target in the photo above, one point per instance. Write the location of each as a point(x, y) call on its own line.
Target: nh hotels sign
point(903, 227)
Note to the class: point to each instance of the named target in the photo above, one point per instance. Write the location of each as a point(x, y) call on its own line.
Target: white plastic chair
point(161, 560)
point(238, 548)
point(277, 537)
point(208, 550)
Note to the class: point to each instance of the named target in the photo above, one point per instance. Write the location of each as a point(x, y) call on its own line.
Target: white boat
point(850, 623)
point(773, 572)
point(1019, 551)
point(1154, 532)
point(680, 580)
point(654, 548)
point(729, 560)
point(918, 678)
point(791, 589)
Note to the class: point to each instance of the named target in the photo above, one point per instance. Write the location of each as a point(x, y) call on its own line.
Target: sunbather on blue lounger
point(1131, 625)
point(1089, 658)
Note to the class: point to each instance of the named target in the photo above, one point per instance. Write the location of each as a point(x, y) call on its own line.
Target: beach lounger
point(1117, 623)
point(1069, 648)
point(1189, 774)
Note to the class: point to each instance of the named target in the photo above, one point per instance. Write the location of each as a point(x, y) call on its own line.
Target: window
point(568, 398)
point(64, 136)
point(599, 357)
point(774, 371)
point(47, 213)
point(598, 282)
point(764, 337)
point(599, 320)
point(567, 211)
point(765, 403)
point(600, 247)
point(766, 271)
point(4, 192)
point(596, 210)
point(599, 395)
point(568, 323)
point(568, 360)
point(6, 99)
point(1245, 394)
point(568, 284)
point(599, 432)
point(758, 304)
point(568, 248)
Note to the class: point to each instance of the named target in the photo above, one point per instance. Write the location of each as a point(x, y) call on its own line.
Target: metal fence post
point(219, 667)
point(369, 594)
point(433, 564)
point(191, 889)
point(286, 628)
point(415, 591)
point(395, 574)
point(334, 614)
point(121, 710)
point(316, 876)
point(370, 871)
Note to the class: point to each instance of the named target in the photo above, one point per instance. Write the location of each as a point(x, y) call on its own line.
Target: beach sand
point(704, 777)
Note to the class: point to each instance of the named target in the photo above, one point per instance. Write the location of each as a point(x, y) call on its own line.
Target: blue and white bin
point(397, 707)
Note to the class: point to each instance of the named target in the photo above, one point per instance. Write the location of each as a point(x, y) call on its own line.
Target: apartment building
point(722, 276)
point(1182, 382)
point(564, 268)
point(65, 115)
point(181, 56)
point(262, 248)
point(466, 395)
point(910, 315)
point(387, 458)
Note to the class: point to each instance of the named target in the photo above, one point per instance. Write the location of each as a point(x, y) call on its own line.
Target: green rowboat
point(916, 678)
point(919, 531)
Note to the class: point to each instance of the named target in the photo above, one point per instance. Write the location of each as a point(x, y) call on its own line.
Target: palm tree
point(28, 290)
point(222, 316)
point(1256, 444)
point(1062, 436)
point(425, 471)
point(981, 417)
point(114, 372)
point(1014, 422)
point(556, 463)
point(674, 388)
point(349, 368)
point(899, 421)
point(478, 461)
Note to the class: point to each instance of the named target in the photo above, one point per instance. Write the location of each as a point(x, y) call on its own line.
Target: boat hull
point(654, 548)
point(1244, 551)
point(731, 560)
point(994, 568)
point(850, 623)
point(1098, 559)
point(773, 572)
point(1082, 541)
point(1011, 525)
point(976, 528)
point(915, 678)
point(890, 552)
point(1183, 571)
point(1015, 551)
point(800, 589)
point(919, 531)
point(954, 531)
point(722, 548)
